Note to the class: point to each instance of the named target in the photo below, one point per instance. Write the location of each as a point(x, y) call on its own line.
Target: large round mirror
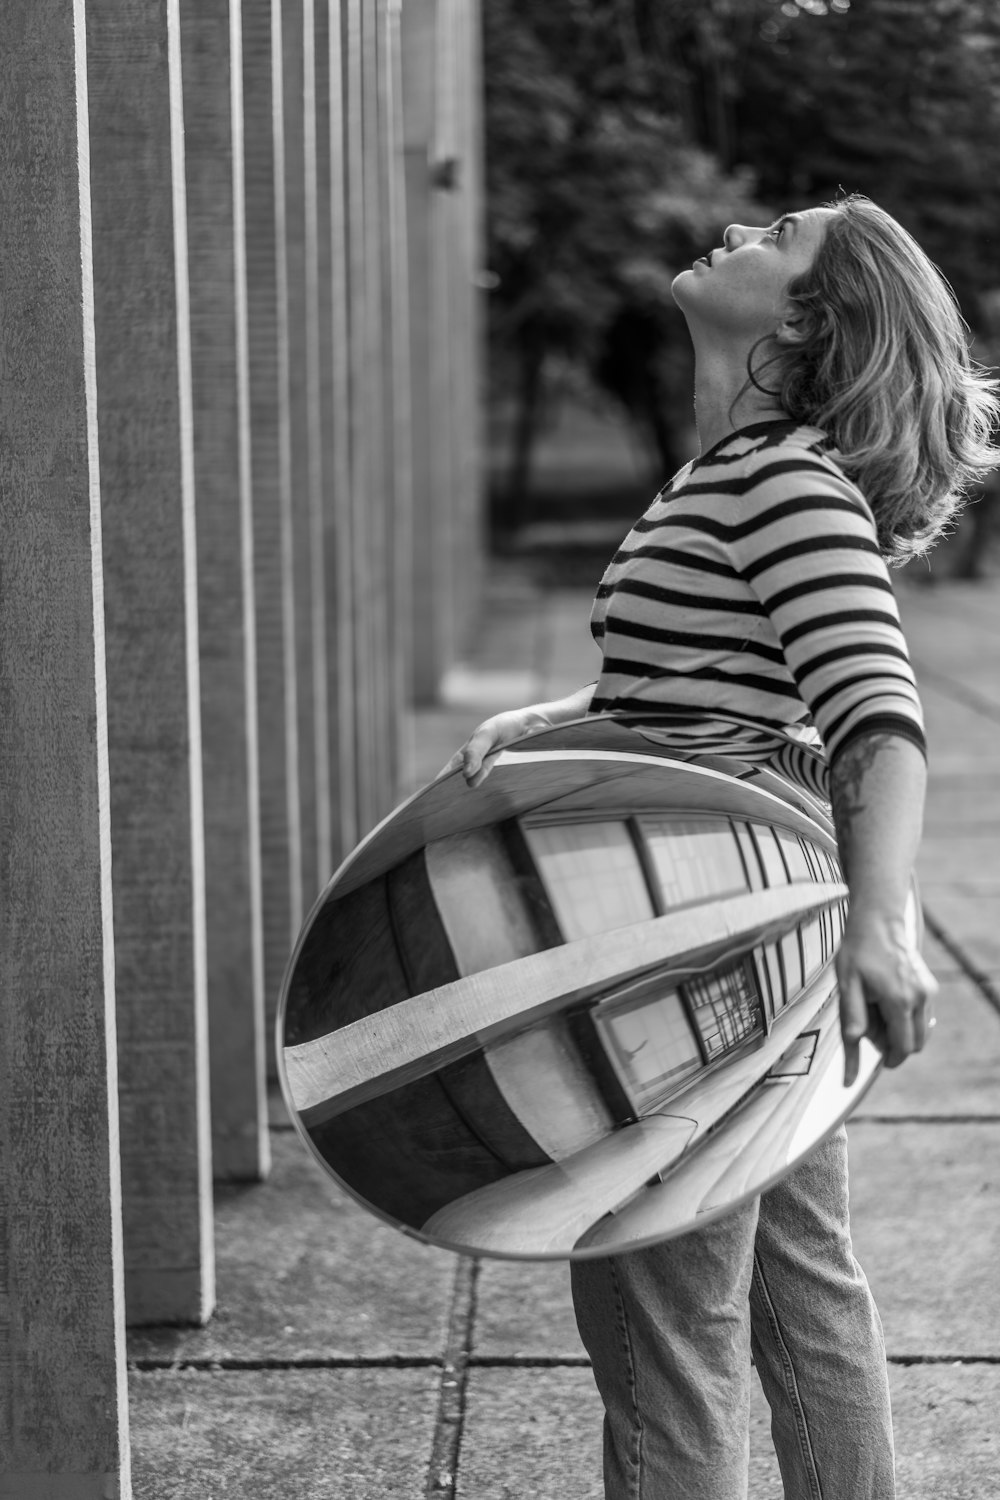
point(587, 1006)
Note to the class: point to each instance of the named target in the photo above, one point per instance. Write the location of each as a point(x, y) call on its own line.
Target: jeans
point(670, 1332)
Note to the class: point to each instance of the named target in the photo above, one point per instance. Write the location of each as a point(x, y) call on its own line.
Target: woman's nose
point(735, 235)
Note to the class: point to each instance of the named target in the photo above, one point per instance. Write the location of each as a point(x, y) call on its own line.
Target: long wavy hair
point(875, 352)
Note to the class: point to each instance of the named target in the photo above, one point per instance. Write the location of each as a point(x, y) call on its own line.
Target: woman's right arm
point(504, 728)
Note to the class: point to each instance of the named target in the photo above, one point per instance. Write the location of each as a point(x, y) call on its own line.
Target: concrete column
point(335, 423)
point(400, 377)
point(315, 336)
point(446, 315)
point(277, 672)
point(443, 146)
point(64, 1413)
point(300, 459)
point(469, 394)
point(211, 34)
point(379, 512)
point(154, 718)
point(419, 39)
point(359, 291)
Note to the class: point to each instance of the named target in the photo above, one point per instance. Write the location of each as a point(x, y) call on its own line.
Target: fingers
point(451, 765)
point(894, 1013)
point(472, 759)
point(475, 768)
point(909, 1014)
point(853, 1021)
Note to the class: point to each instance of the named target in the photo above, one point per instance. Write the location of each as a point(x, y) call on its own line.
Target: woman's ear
point(792, 329)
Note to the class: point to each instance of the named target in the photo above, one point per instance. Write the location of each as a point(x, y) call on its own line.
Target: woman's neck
point(723, 401)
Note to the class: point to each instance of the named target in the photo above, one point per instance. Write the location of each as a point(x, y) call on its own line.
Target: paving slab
point(965, 860)
point(536, 1435)
point(947, 1434)
point(957, 1073)
point(301, 1435)
point(965, 798)
point(304, 1272)
point(971, 919)
point(925, 1216)
point(524, 1309)
point(531, 1435)
point(943, 963)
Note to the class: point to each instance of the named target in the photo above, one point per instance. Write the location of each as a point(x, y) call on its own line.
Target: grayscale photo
point(500, 667)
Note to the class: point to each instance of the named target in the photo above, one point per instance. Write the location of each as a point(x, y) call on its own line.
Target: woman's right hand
point(474, 758)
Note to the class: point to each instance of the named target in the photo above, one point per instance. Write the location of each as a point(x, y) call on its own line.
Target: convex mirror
point(584, 1007)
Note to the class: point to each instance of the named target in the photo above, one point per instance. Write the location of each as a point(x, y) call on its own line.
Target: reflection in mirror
point(584, 1007)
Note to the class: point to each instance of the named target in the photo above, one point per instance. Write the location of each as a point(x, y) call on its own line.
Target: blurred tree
point(897, 100)
point(622, 135)
point(597, 197)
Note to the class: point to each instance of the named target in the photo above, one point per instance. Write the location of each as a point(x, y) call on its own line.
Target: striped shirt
point(754, 585)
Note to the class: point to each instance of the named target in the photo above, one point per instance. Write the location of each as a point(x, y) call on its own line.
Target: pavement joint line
point(958, 692)
point(209, 1363)
point(864, 1119)
point(209, 1366)
point(942, 1359)
point(446, 1444)
point(969, 967)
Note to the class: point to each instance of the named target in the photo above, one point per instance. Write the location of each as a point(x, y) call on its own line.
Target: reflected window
point(693, 859)
point(751, 859)
point(791, 959)
point(795, 855)
point(814, 948)
point(775, 977)
point(775, 872)
point(726, 1008)
point(772, 998)
point(592, 876)
point(650, 1044)
point(816, 871)
point(826, 927)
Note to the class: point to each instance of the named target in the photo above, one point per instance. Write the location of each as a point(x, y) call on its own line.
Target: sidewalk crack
point(442, 1473)
point(969, 967)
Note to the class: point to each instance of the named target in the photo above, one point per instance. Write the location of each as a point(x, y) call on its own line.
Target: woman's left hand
point(886, 991)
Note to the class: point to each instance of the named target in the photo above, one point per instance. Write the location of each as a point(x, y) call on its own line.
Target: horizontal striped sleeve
point(805, 543)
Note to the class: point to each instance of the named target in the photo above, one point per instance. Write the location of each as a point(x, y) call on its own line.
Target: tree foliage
point(622, 135)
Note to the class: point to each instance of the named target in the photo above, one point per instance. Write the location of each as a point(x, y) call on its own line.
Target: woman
point(840, 419)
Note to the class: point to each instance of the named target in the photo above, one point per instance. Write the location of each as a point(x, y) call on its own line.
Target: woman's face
point(740, 289)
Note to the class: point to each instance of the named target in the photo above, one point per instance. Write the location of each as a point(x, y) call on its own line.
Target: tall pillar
point(299, 455)
point(154, 717)
point(419, 39)
point(314, 491)
point(443, 148)
point(335, 422)
point(63, 1408)
point(378, 519)
point(469, 240)
point(362, 481)
point(277, 671)
point(212, 61)
point(398, 354)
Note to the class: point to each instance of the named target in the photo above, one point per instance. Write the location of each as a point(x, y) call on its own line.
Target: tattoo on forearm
point(846, 785)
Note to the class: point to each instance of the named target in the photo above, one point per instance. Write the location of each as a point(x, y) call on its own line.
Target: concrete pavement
point(346, 1362)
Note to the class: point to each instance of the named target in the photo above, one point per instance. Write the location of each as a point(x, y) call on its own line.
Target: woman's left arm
point(878, 782)
point(806, 544)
